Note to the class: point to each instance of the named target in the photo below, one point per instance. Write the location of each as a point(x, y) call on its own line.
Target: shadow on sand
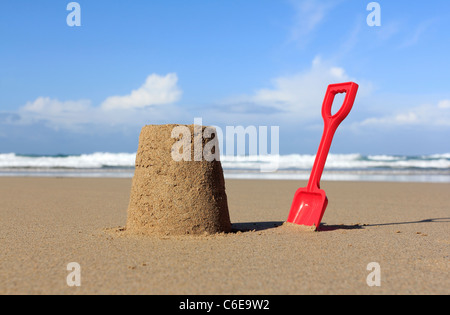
point(261, 226)
point(255, 226)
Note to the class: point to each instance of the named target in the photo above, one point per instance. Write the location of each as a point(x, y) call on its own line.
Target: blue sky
point(255, 62)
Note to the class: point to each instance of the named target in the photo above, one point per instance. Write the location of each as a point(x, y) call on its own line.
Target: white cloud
point(419, 32)
point(157, 90)
point(309, 15)
point(444, 104)
point(132, 110)
point(389, 30)
point(56, 113)
point(52, 106)
point(424, 115)
point(298, 95)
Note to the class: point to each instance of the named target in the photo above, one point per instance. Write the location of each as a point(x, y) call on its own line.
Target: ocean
point(339, 167)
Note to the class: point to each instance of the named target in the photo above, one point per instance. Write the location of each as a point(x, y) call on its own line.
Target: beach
point(48, 223)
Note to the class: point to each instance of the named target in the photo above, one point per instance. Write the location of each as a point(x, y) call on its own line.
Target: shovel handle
point(332, 122)
point(350, 88)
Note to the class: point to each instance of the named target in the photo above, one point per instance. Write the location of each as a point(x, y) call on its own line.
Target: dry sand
point(49, 223)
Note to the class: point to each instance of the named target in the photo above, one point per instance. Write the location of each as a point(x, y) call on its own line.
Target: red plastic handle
point(332, 122)
point(350, 88)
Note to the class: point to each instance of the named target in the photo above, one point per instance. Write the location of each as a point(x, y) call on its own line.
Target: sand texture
point(172, 197)
point(48, 223)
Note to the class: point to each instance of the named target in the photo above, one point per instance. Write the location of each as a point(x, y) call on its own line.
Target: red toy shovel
point(310, 203)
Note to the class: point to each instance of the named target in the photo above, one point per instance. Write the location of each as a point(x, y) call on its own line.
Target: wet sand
point(48, 223)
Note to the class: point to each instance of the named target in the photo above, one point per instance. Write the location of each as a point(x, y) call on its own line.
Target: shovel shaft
point(321, 158)
point(332, 122)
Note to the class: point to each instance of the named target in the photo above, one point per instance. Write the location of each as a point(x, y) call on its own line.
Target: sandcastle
point(176, 189)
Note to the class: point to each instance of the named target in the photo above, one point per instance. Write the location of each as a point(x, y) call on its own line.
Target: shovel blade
point(308, 207)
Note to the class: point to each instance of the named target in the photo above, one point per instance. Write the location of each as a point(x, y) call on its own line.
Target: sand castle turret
point(178, 186)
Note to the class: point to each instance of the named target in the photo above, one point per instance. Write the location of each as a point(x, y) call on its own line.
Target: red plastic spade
point(310, 203)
